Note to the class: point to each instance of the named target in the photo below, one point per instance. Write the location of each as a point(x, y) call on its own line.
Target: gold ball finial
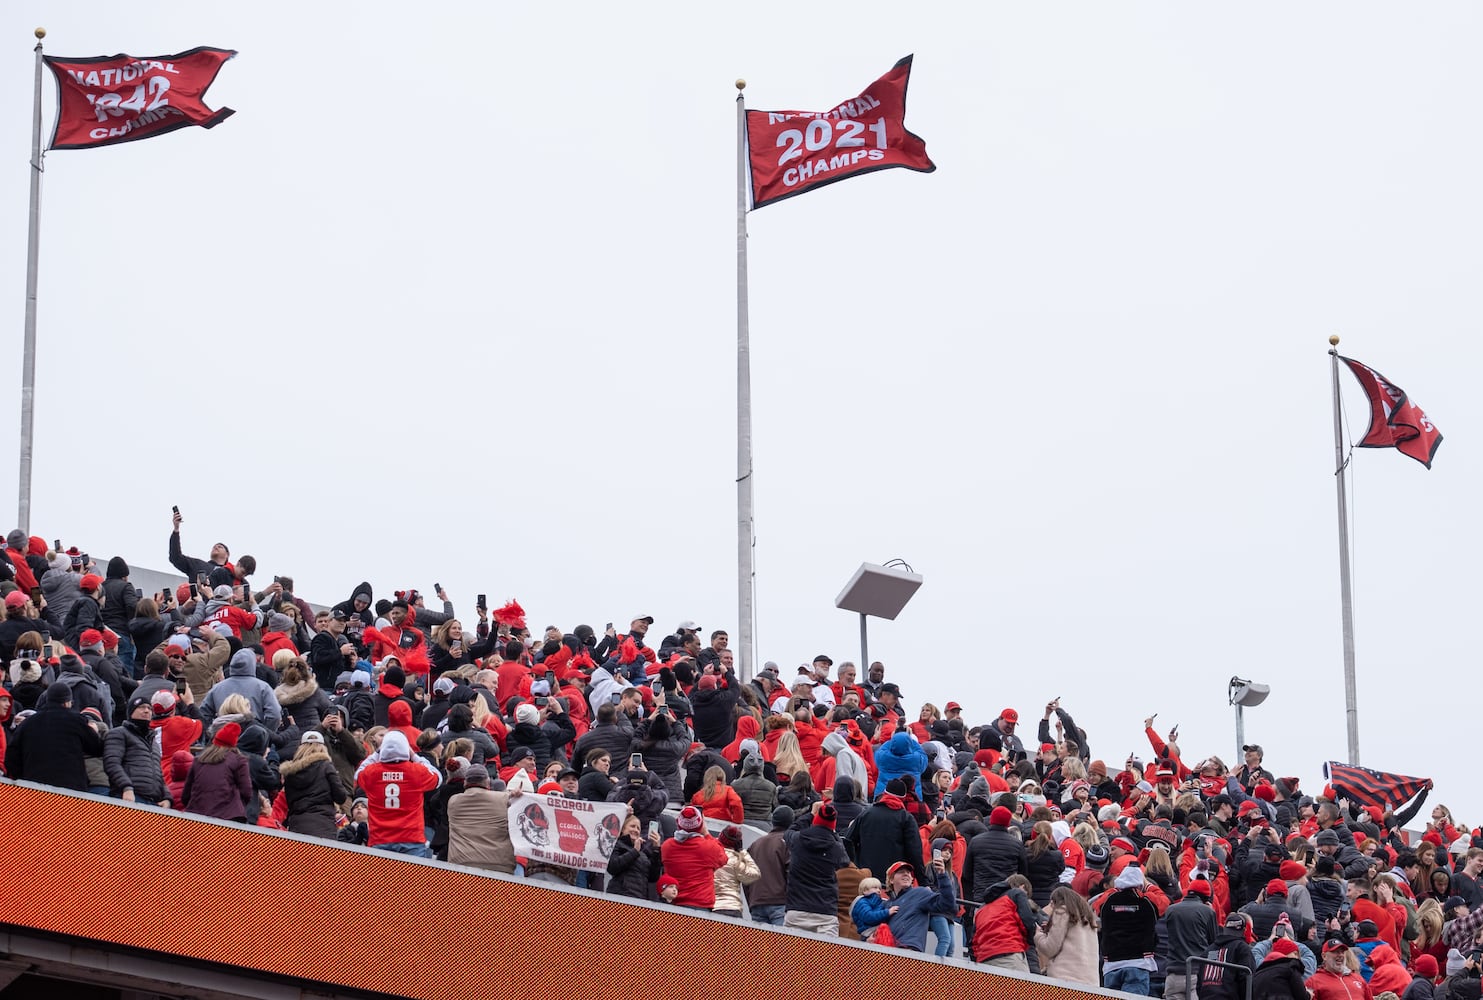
point(741, 84)
point(40, 33)
point(1334, 340)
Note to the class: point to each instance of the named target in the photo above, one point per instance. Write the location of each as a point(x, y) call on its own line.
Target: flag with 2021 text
point(791, 152)
point(109, 99)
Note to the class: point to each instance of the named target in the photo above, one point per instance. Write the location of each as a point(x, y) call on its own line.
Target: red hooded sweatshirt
point(399, 715)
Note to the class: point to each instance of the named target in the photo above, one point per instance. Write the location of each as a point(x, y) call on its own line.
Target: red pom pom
point(511, 614)
point(628, 651)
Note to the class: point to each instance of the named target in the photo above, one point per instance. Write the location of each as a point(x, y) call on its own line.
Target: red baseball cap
point(952, 706)
point(1010, 715)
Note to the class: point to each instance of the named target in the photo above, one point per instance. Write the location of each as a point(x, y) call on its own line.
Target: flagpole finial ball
point(741, 84)
point(1334, 340)
point(40, 33)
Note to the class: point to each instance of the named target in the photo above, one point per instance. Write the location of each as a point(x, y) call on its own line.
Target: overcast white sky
point(451, 299)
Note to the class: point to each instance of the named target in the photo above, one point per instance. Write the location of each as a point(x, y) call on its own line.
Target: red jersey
point(394, 791)
point(1327, 986)
point(233, 617)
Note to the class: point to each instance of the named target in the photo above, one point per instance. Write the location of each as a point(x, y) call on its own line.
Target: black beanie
point(896, 787)
point(117, 568)
point(58, 695)
point(395, 676)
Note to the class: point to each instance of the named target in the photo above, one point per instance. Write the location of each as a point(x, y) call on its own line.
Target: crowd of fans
point(386, 723)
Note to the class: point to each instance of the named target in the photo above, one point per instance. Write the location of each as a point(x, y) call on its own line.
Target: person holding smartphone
point(634, 866)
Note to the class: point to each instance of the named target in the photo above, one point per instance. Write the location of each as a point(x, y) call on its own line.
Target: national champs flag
point(109, 99)
point(791, 152)
point(1372, 788)
point(1395, 421)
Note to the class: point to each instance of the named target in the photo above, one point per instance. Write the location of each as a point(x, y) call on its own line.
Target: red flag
point(1395, 421)
point(109, 99)
point(796, 151)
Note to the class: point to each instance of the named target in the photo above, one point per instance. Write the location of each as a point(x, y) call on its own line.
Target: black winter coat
point(312, 787)
point(643, 791)
point(882, 836)
point(1279, 979)
point(133, 761)
point(1044, 873)
point(992, 856)
point(664, 748)
point(814, 858)
point(715, 724)
point(607, 736)
point(50, 748)
point(634, 870)
point(698, 765)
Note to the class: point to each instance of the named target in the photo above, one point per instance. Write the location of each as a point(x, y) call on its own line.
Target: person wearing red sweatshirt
point(178, 723)
point(402, 639)
point(1334, 980)
point(692, 857)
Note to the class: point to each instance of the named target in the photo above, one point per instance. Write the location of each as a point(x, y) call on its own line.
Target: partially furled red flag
point(796, 151)
point(109, 99)
point(1372, 788)
point(1395, 421)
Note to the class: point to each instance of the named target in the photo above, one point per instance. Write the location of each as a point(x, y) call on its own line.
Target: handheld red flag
point(109, 99)
point(796, 151)
point(1395, 421)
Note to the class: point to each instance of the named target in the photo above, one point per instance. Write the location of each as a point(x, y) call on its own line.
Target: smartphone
point(542, 702)
point(551, 679)
point(635, 761)
point(57, 544)
point(653, 827)
point(617, 697)
point(175, 509)
point(46, 650)
point(200, 579)
point(483, 605)
point(437, 587)
point(608, 627)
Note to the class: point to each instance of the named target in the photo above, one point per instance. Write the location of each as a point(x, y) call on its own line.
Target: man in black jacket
point(1128, 934)
point(606, 734)
point(814, 858)
point(1217, 982)
point(713, 703)
point(992, 856)
point(215, 570)
point(51, 745)
point(885, 834)
point(1191, 928)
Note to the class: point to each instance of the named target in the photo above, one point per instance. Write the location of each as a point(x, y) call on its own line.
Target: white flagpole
point(1346, 598)
point(745, 570)
point(28, 352)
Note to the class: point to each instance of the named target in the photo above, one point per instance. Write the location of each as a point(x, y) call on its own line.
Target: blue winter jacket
point(901, 757)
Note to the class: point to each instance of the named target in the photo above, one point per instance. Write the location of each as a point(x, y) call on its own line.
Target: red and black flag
point(107, 99)
point(1372, 788)
point(796, 151)
point(1395, 421)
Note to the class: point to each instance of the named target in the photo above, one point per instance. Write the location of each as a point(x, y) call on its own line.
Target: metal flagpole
point(745, 571)
point(28, 354)
point(1346, 599)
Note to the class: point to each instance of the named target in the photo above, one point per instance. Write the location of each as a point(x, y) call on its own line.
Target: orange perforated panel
point(374, 922)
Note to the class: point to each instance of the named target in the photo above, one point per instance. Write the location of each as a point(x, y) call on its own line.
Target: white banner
point(573, 833)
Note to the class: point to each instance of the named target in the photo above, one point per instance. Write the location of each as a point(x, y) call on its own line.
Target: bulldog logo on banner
point(570, 832)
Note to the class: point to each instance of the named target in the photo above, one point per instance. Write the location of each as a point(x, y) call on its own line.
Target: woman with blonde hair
point(922, 728)
point(789, 756)
point(718, 800)
point(451, 649)
point(1067, 942)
